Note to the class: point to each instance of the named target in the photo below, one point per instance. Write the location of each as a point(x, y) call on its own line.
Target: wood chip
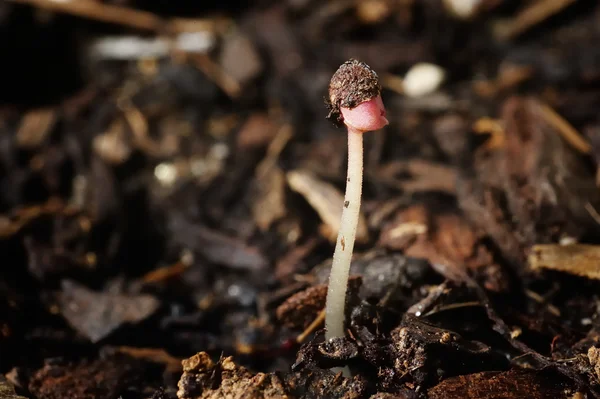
point(327, 201)
point(269, 205)
point(509, 384)
point(35, 127)
point(302, 308)
point(424, 176)
point(522, 194)
point(578, 259)
point(202, 378)
point(111, 146)
point(7, 391)
point(405, 228)
point(256, 132)
point(238, 47)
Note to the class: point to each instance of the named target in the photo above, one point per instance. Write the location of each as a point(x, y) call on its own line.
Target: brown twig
point(565, 129)
point(215, 73)
point(165, 273)
point(154, 355)
point(312, 327)
point(530, 17)
point(10, 226)
point(118, 15)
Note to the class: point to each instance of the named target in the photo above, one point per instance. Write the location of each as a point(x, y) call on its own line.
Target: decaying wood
point(578, 259)
point(7, 391)
point(203, 379)
point(302, 308)
point(510, 384)
point(523, 193)
point(120, 15)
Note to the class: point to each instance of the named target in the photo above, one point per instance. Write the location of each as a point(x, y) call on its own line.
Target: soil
point(171, 192)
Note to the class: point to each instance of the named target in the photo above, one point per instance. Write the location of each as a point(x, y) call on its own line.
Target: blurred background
point(171, 159)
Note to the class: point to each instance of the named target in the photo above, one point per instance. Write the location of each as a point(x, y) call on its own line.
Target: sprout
point(355, 101)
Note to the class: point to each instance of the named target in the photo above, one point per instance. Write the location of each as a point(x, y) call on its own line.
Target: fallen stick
point(121, 15)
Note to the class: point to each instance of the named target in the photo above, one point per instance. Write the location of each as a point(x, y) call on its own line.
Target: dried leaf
point(238, 47)
point(97, 314)
point(215, 246)
point(230, 251)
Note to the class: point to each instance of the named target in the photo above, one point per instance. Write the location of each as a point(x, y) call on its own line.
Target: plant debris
point(204, 379)
point(96, 315)
point(171, 188)
point(7, 391)
point(577, 259)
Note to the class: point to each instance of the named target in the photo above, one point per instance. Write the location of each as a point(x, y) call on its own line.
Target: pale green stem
point(340, 269)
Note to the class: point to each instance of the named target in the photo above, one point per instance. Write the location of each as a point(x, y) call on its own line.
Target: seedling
point(355, 101)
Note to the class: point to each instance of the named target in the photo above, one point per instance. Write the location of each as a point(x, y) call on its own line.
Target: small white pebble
point(566, 240)
point(198, 167)
point(516, 332)
point(187, 257)
point(586, 321)
point(463, 9)
point(422, 79)
point(234, 290)
point(165, 173)
point(219, 151)
point(129, 48)
point(195, 42)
